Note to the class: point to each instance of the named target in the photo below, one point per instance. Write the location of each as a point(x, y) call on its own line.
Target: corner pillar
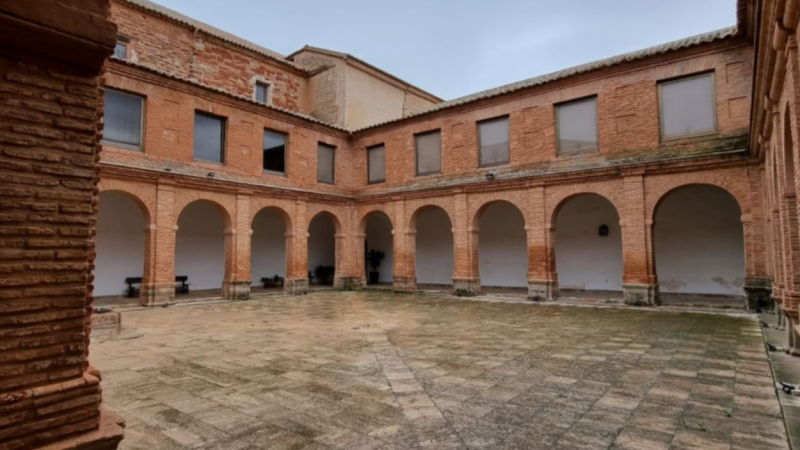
point(542, 279)
point(639, 285)
point(466, 279)
point(296, 280)
point(158, 283)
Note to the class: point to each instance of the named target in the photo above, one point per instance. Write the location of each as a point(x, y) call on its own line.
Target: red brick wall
point(174, 48)
point(627, 100)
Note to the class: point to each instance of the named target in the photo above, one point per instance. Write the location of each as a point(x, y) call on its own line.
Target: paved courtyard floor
point(376, 370)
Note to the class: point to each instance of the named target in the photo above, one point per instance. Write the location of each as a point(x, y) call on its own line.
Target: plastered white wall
point(434, 247)
point(699, 242)
point(584, 259)
point(502, 247)
point(200, 246)
point(120, 243)
point(379, 237)
point(268, 251)
point(321, 243)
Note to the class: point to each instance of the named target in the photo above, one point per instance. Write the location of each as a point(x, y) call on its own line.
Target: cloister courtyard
point(378, 370)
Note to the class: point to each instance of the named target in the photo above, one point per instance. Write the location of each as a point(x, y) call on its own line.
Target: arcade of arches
point(639, 238)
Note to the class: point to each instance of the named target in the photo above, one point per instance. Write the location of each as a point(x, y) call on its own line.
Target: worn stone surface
point(382, 370)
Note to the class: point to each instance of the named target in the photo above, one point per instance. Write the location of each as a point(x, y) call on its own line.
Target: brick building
point(671, 171)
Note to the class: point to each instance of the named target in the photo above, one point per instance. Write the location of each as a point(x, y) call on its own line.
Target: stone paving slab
point(377, 370)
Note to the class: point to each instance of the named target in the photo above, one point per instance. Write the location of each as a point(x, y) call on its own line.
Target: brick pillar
point(638, 280)
point(791, 287)
point(757, 285)
point(296, 281)
point(349, 265)
point(236, 285)
point(542, 282)
point(465, 246)
point(160, 259)
point(404, 242)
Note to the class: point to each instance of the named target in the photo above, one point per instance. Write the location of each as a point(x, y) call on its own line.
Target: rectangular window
point(262, 93)
point(326, 163)
point(688, 106)
point(121, 51)
point(209, 137)
point(376, 164)
point(576, 123)
point(429, 152)
point(493, 138)
point(122, 118)
point(274, 152)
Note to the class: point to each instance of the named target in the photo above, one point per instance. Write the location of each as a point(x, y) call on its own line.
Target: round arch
point(605, 194)
point(376, 236)
point(203, 244)
point(132, 194)
point(324, 249)
point(501, 253)
point(431, 245)
point(736, 189)
point(476, 217)
point(270, 244)
point(120, 241)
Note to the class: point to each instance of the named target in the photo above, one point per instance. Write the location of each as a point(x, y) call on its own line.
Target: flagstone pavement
point(377, 370)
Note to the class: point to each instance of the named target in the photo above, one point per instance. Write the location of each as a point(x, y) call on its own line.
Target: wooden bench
point(134, 283)
point(270, 282)
point(183, 287)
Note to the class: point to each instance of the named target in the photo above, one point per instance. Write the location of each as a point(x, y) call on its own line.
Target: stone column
point(236, 285)
point(638, 281)
point(542, 280)
point(160, 289)
point(296, 282)
point(465, 279)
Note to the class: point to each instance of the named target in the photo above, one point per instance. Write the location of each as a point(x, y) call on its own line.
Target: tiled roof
point(226, 93)
point(346, 56)
point(577, 70)
point(212, 31)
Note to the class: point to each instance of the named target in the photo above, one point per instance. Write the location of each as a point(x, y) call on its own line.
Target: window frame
point(596, 99)
point(507, 118)
point(122, 145)
point(416, 153)
point(371, 147)
point(267, 94)
point(333, 163)
point(223, 137)
point(678, 79)
point(285, 172)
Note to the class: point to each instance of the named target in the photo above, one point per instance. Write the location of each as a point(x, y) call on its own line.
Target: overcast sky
point(453, 48)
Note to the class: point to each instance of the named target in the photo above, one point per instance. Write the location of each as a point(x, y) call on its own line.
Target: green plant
point(375, 257)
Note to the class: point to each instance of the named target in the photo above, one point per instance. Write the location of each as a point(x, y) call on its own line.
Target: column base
point(155, 295)
point(404, 284)
point(106, 437)
point(641, 294)
point(542, 290)
point(236, 290)
point(348, 283)
point(295, 286)
point(759, 293)
point(466, 287)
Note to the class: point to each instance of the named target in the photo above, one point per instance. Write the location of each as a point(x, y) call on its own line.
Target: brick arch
point(564, 195)
point(284, 209)
point(337, 223)
point(737, 189)
point(505, 197)
point(373, 209)
point(786, 153)
point(223, 203)
point(443, 203)
point(142, 196)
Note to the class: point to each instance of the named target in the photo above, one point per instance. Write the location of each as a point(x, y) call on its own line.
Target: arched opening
point(788, 153)
point(200, 249)
point(268, 250)
point(378, 250)
point(322, 249)
point(434, 248)
point(120, 244)
point(699, 246)
point(502, 247)
point(588, 247)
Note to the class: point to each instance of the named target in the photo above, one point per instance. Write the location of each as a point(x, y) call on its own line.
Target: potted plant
point(374, 258)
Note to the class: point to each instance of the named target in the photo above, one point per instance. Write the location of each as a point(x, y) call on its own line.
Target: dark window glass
point(122, 118)
point(262, 93)
point(274, 152)
point(687, 106)
point(209, 137)
point(121, 51)
point(376, 164)
point(494, 141)
point(429, 152)
point(577, 126)
point(326, 156)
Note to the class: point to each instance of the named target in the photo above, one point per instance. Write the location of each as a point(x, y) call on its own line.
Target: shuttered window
point(209, 137)
point(688, 106)
point(376, 164)
point(326, 159)
point(122, 118)
point(429, 152)
point(493, 135)
point(577, 126)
